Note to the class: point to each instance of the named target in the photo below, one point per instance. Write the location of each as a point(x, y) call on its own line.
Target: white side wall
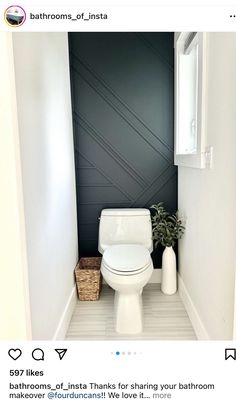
point(208, 199)
point(14, 297)
point(45, 127)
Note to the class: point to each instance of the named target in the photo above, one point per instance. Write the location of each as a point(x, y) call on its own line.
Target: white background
point(142, 362)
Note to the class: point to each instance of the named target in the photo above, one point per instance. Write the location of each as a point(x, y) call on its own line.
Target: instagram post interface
point(117, 203)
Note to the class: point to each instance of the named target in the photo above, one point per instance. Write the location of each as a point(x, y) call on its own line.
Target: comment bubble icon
point(38, 354)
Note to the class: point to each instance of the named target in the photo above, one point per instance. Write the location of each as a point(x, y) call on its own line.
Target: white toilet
point(125, 241)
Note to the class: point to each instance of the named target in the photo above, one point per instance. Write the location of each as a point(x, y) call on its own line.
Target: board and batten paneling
point(122, 95)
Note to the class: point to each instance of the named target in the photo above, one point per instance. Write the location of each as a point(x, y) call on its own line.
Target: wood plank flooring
point(165, 318)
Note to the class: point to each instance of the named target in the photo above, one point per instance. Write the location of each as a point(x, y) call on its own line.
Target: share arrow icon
point(61, 353)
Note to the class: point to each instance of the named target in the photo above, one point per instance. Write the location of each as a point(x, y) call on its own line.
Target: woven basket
point(88, 278)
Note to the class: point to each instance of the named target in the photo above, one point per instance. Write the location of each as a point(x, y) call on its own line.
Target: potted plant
point(166, 230)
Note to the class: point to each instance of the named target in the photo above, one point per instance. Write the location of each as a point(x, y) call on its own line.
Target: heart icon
point(15, 353)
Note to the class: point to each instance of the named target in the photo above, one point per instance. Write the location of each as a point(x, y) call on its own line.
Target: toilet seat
point(126, 259)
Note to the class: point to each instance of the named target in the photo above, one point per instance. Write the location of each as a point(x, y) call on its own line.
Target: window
point(190, 77)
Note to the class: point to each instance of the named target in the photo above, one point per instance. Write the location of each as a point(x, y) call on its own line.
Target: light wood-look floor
point(165, 318)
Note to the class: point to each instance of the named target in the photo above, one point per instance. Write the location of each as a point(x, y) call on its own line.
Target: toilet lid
point(126, 258)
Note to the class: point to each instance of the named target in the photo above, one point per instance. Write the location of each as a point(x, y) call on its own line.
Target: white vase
point(169, 274)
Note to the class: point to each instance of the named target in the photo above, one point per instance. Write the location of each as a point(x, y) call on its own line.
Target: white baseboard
point(66, 316)
point(195, 319)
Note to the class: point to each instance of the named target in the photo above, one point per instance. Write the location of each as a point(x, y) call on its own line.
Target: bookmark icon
point(61, 353)
point(230, 353)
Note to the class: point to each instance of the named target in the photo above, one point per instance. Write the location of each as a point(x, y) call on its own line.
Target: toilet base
point(128, 312)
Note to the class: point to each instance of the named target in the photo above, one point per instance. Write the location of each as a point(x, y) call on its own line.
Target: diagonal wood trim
point(109, 148)
point(119, 99)
point(139, 35)
point(124, 117)
point(161, 187)
point(78, 153)
point(147, 195)
point(106, 202)
point(97, 185)
point(108, 178)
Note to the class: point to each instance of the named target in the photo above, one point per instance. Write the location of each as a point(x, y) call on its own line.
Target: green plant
point(166, 228)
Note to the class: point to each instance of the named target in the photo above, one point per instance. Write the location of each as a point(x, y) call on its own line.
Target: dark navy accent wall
point(122, 96)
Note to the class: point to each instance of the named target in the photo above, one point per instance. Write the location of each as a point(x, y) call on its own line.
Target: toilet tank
point(125, 226)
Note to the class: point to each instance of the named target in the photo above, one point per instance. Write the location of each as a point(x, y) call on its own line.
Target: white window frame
point(196, 159)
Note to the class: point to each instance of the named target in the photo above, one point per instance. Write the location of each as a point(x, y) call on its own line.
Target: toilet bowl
point(125, 241)
point(127, 268)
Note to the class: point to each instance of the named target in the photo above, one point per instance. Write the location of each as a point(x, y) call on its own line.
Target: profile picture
point(15, 16)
